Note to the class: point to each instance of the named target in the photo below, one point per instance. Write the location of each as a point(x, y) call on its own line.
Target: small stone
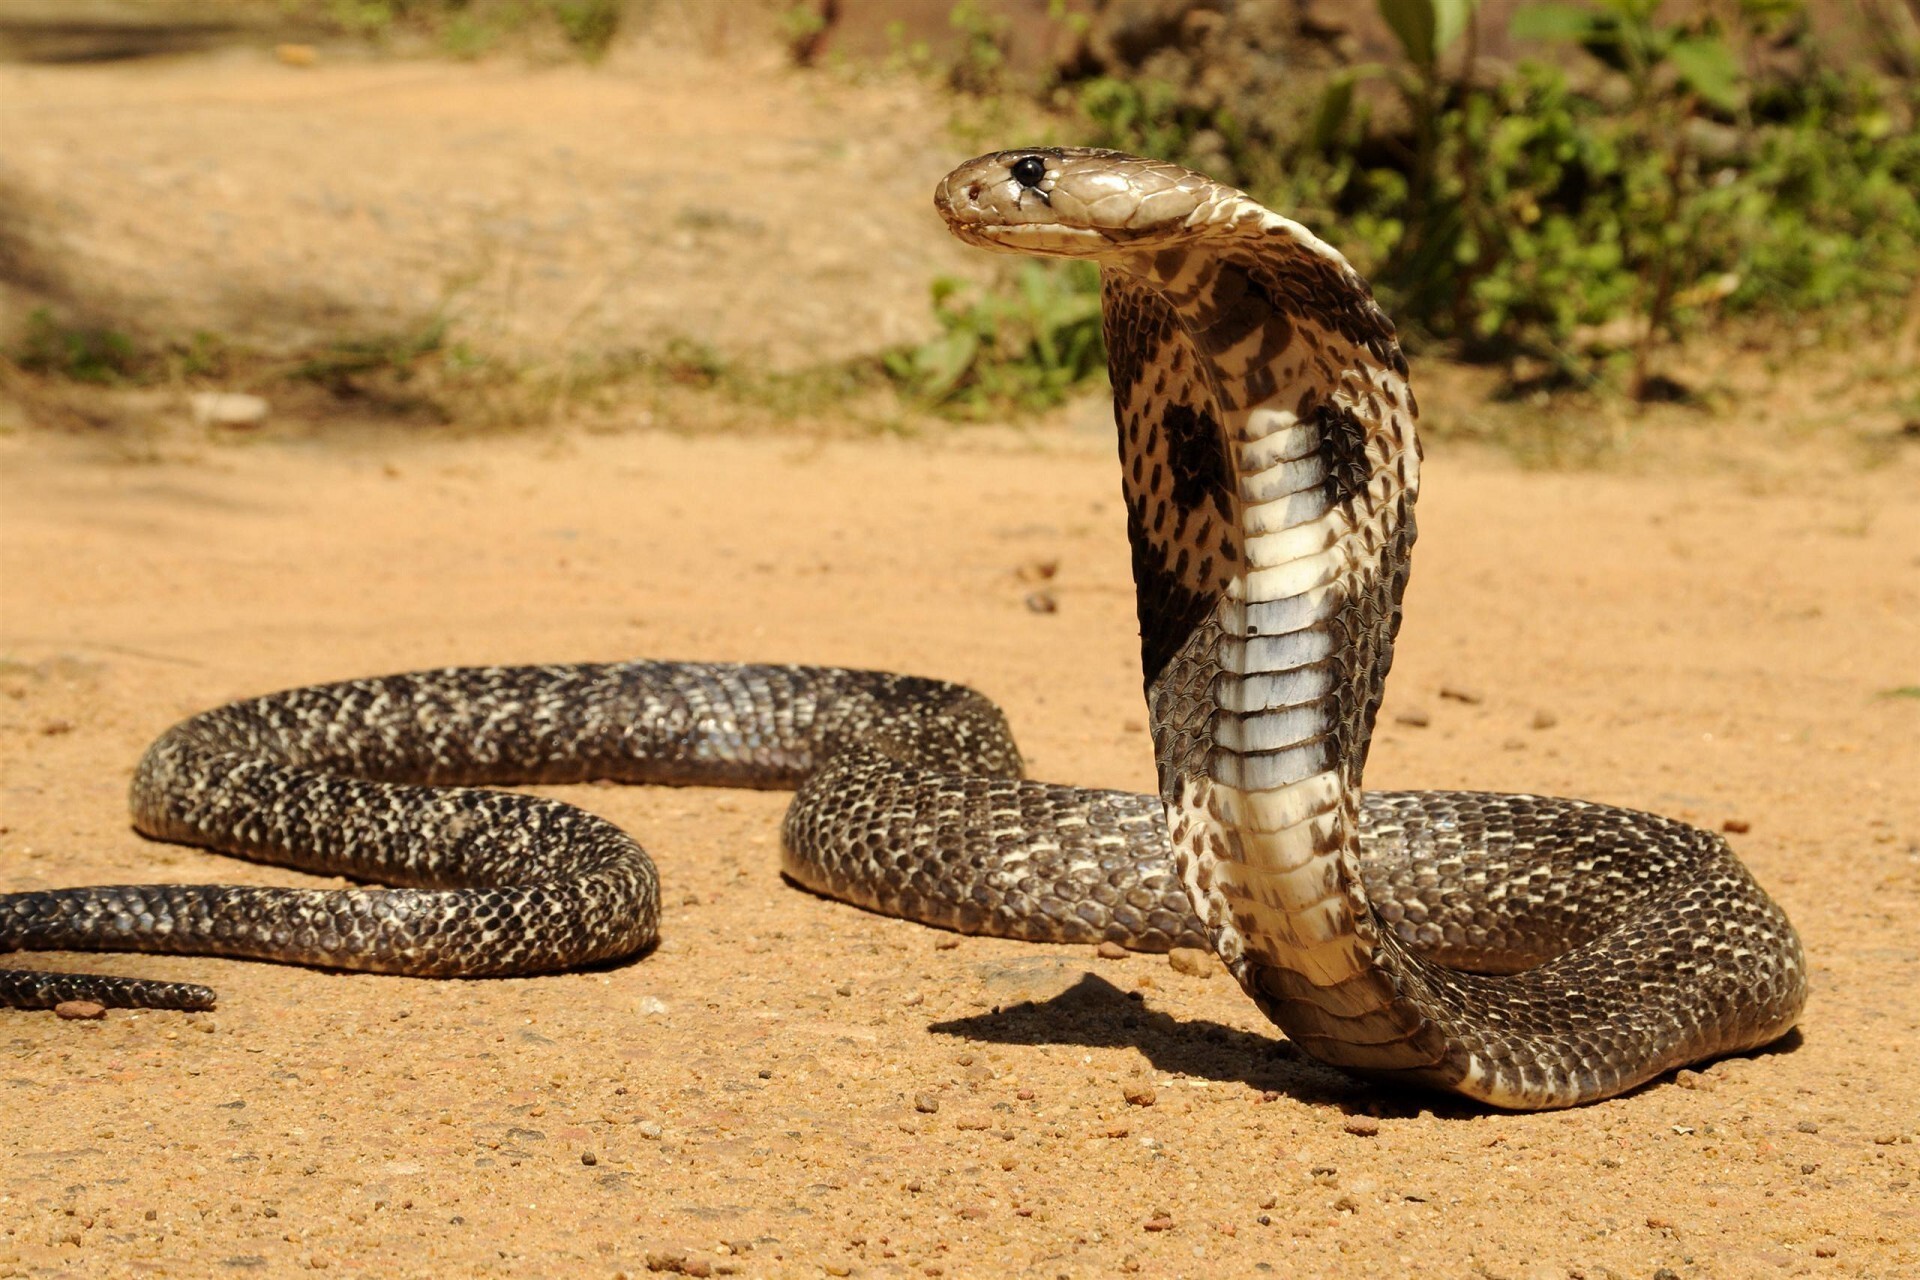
point(1460, 693)
point(1042, 602)
point(1116, 1131)
point(1158, 1222)
point(1191, 961)
point(650, 1007)
point(844, 989)
point(78, 1010)
point(946, 943)
point(1413, 718)
point(296, 55)
point(54, 728)
point(227, 409)
point(1665, 1273)
point(1736, 826)
point(1110, 951)
point(1138, 1095)
point(1545, 720)
point(925, 1103)
point(1807, 1126)
point(836, 1268)
point(649, 1130)
point(913, 999)
point(1025, 1095)
point(1885, 1139)
point(589, 1159)
point(1694, 1080)
point(1362, 1126)
point(1037, 570)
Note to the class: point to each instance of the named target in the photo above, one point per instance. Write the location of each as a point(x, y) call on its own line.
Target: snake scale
point(1523, 951)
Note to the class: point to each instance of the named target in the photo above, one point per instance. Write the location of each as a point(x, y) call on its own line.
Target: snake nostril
point(973, 194)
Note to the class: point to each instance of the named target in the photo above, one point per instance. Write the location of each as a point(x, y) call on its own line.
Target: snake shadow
point(1095, 1014)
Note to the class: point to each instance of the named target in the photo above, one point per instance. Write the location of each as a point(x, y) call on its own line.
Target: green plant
point(1025, 348)
point(102, 357)
point(589, 25)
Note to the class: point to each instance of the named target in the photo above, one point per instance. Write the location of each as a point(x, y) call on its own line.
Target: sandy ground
point(748, 1093)
point(1713, 643)
point(547, 212)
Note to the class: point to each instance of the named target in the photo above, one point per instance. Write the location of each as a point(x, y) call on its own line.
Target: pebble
point(680, 1264)
point(1413, 718)
point(1736, 826)
point(1191, 961)
point(1158, 1222)
point(589, 1159)
point(1545, 719)
point(649, 1130)
point(227, 409)
point(1042, 602)
point(1362, 1126)
point(1037, 570)
point(1139, 1095)
point(1807, 1126)
point(925, 1103)
point(947, 943)
point(1110, 951)
point(75, 1010)
point(1694, 1080)
point(1460, 693)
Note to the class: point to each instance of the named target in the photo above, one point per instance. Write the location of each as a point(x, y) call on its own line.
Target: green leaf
point(1413, 23)
point(1552, 22)
point(1707, 67)
point(1450, 18)
point(1330, 116)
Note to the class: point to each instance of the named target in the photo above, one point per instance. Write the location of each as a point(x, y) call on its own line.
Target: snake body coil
point(1521, 950)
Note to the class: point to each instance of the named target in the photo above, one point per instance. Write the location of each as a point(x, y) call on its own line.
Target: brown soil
point(789, 1086)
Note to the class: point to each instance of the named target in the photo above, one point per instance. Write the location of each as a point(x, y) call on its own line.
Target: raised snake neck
point(1522, 950)
point(1270, 460)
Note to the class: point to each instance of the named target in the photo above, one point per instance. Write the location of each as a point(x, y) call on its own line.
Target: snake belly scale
point(1520, 950)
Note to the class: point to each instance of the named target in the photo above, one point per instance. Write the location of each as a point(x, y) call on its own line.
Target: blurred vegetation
point(472, 28)
point(1572, 216)
point(422, 373)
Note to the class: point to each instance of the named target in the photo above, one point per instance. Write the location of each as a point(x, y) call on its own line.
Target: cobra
point(1523, 951)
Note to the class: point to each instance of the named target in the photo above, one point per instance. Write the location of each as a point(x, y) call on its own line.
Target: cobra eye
point(1028, 170)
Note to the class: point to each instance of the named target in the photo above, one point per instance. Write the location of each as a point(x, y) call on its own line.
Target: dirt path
point(548, 213)
point(748, 1093)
